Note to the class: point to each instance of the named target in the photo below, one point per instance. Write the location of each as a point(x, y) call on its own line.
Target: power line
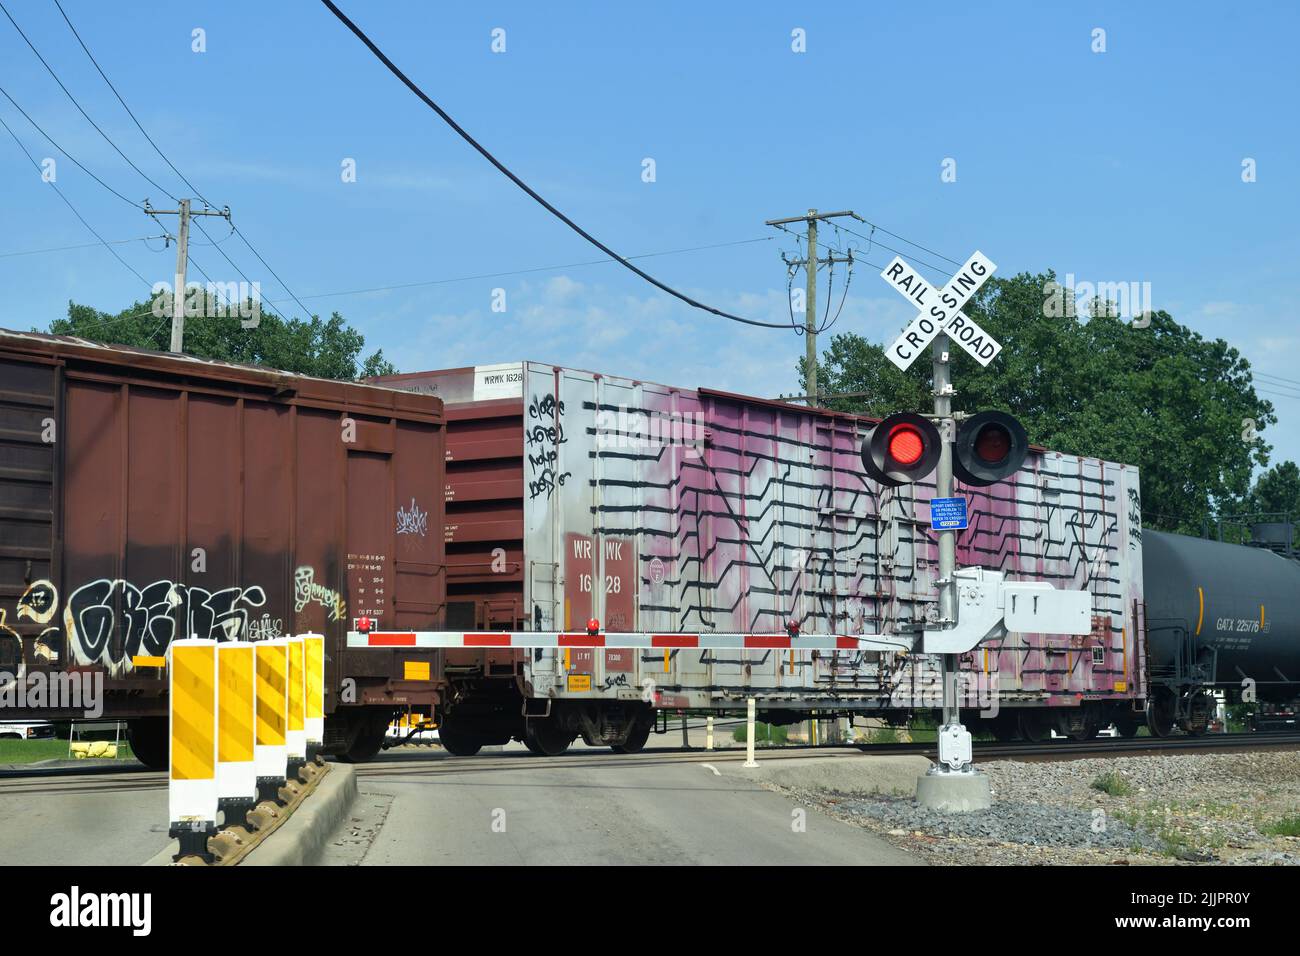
point(101, 239)
point(532, 193)
point(283, 284)
point(234, 229)
point(68, 92)
point(192, 187)
point(895, 235)
point(84, 245)
point(219, 249)
point(519, 272)
point(877, 242)
point(1279, 378)
point(26, 116)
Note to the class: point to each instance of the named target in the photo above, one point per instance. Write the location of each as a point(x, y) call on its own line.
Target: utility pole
point(810, 294)
point(182, 260)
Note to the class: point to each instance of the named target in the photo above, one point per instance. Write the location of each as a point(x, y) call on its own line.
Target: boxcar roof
point(140, 362)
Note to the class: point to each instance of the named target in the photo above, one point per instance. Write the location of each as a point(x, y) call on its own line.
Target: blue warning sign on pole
point(948, 514)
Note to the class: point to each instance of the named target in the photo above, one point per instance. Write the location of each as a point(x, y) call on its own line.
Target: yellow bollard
point(192, 727)
point(236, 718)
point(314, 658)
point(270, 754)
point(296, 727)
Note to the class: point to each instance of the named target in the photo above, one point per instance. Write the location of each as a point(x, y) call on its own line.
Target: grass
point(763, 734)
point(27, 751)
point(1287, 826)
point(30, 751)
point(1113, 784)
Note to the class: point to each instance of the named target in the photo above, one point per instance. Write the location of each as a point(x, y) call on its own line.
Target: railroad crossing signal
point(901, 449)
point(941, 311)
point(989, 447)
point(905, 448)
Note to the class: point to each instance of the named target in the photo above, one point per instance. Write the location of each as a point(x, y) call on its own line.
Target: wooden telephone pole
point(182, 260)
point(810, 264)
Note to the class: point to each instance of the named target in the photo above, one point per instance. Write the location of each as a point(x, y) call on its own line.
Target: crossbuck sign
point(941, 311)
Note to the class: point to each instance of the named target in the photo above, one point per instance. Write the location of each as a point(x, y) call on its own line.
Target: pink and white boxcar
point(575, 495)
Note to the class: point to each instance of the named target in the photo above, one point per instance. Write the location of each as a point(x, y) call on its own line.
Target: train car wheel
point(367, 743)
point(1035, 727)
point(366, 729)
point(455, 740)
point(547, 735)
point(636, 737)
point(1126, 726)
point(1161, 712)
point(1201, 712)
point(148, 739)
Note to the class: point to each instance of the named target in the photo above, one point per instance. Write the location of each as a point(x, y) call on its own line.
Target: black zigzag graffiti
point(758, 537)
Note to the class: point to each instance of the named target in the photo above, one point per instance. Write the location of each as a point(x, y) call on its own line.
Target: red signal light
point(906, 445)
point(990, 446)
point(901, 449)
point(993, 444)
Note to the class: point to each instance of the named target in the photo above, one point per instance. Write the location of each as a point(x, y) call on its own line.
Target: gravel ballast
point(1174, 809)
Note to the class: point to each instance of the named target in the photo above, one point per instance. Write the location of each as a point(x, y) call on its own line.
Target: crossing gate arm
point(631, 641)
point(987, 607)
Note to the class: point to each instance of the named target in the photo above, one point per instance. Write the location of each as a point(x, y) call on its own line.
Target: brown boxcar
point(146, 496)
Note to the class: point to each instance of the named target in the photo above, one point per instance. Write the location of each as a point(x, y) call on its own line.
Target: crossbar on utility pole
point(182, 261)
point(810, 288)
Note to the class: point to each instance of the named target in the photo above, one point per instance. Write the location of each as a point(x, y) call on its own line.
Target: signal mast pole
point(947, 539)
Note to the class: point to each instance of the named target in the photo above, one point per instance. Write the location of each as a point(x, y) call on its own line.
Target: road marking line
point(709, 766)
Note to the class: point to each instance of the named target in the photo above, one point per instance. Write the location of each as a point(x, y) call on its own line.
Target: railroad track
point(103, 779)
point(1121, 746)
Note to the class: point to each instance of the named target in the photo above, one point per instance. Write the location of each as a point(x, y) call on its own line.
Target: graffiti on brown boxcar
point(307, 591)
point(39, 603)
point(413, 521)
point(265, 628)
point(150, 618)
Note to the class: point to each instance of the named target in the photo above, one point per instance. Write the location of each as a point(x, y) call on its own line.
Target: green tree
point(326, 348)
point(1277, 490)
point(1159, 396)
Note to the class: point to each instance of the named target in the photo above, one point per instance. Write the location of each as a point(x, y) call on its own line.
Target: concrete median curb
point(860, 774)
point(302, 838)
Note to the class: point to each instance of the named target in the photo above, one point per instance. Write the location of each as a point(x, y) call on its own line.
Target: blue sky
point(1122, 166)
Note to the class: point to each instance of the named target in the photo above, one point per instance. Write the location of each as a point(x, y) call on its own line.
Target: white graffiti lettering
point(306, 590)
point(146, 620)
point(414, 521)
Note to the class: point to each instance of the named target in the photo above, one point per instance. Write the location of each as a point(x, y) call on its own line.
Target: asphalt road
point(106, 818)
point(420, 806)
point(589, 807)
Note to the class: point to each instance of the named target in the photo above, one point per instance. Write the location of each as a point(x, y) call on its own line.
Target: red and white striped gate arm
point(635, 641)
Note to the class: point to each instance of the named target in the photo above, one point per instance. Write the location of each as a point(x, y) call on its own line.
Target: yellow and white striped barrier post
point(272, 697)
point(236, 719)
point(192, 729)
point(296, 733)
point(314, 657)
